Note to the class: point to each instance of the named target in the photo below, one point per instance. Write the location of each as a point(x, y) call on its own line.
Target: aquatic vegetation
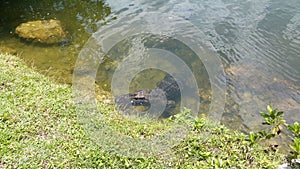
point(295, 129)
point(274, 118)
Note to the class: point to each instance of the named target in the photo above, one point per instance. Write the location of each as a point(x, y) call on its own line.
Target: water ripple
point(258, 41)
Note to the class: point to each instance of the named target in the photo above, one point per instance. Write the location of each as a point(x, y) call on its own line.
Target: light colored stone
point(43, 31)
point(295, 163)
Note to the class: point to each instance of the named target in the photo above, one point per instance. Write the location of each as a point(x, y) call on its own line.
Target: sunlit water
point(257, 41)
point(259, 44)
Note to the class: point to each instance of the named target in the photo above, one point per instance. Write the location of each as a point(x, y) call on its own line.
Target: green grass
point(39, 128)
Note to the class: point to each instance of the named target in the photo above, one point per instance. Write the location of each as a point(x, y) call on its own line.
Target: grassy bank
point(39, 128)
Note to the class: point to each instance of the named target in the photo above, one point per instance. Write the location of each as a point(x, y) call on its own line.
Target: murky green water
point(79, 19)
point(257, 41)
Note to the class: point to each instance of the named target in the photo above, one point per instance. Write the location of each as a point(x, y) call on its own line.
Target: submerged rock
point(43, 31)
point(252, 86)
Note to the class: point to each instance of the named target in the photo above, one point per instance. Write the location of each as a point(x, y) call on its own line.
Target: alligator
point(169, 97)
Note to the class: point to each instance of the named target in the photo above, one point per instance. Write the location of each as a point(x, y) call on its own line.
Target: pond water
point(258, 43)
point(79, 19)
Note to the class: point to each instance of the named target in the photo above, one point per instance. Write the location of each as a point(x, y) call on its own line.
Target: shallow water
point(258, 43)
point(79, 19)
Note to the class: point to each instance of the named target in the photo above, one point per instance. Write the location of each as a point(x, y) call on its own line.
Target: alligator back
point(143, 97)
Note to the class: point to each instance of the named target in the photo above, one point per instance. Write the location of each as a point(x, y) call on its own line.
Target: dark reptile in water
point(168, 98)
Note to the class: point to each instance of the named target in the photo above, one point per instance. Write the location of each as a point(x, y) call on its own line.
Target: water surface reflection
point(259, 43)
